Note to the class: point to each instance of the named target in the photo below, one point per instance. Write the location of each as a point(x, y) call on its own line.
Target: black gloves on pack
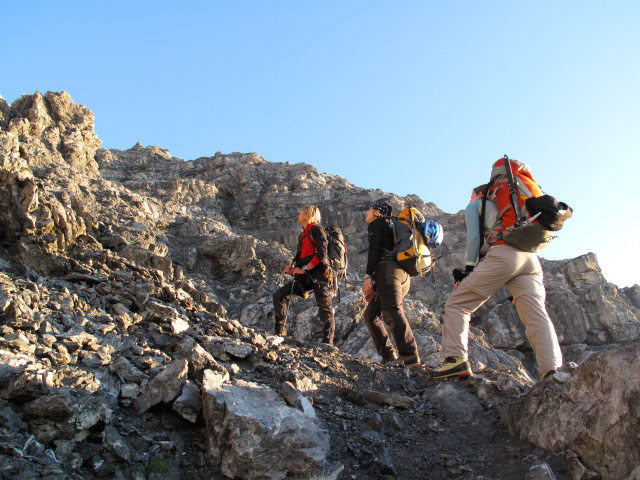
point(459, 274)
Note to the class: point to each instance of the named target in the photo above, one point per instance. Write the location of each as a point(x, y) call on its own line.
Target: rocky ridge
point(136, 310)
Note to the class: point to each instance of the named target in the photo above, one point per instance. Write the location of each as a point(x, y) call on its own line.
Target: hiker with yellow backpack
point(525, 223)
point(397, 250)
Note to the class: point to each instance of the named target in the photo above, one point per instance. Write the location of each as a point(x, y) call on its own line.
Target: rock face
point(126, 275)
point(253, 434)
point(594, 413)
point(43, 133)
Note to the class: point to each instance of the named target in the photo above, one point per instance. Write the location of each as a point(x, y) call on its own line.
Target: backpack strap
point(483, 211)
point(301, 237)
point(319, 239)
point(390, 254)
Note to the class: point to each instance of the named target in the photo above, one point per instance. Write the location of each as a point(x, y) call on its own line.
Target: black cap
point(383, 207)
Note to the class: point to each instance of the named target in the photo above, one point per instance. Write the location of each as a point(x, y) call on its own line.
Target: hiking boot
point(327, 347)
point(410, 360)
point(555, 376)
point(548, 375)
point(326, 341)
point(389, 358)
point(281, 331)
point(452, 367)
point(406, 361)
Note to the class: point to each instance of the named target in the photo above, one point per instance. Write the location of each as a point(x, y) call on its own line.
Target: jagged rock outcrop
point(126, 275)
point(47, 143)
point(594, 413)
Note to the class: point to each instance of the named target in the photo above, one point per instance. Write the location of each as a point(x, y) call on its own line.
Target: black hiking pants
point(315, 281)
point(392, 285)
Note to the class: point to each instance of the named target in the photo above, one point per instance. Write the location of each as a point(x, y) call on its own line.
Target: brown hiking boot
point(281, 331)
point(406, 361)
point(389, 358)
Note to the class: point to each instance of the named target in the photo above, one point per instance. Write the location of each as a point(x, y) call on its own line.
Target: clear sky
point(407, 96)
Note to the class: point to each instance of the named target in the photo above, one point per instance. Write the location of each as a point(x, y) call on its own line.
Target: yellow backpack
point(410, 247)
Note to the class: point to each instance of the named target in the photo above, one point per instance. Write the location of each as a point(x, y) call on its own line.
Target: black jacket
point(380, 242)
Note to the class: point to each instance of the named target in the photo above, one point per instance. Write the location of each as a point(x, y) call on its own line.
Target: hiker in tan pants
point(521, 273)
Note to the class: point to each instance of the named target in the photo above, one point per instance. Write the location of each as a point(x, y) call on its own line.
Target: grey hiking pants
point(392, 285)
point(521, 273)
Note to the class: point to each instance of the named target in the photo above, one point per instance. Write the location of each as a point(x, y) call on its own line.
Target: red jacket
point(310, 245)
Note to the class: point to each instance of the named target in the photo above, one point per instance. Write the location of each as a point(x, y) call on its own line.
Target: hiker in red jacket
point(310, 273)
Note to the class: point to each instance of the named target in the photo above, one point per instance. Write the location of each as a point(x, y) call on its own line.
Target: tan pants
point(521, 273)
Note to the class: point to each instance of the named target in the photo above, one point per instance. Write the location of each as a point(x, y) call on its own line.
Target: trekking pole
point(286, 315)
point(513, 191)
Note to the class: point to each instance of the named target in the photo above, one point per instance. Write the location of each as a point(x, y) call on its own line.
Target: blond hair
point(312, 212)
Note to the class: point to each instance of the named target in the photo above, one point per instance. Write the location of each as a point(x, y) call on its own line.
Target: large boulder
point(164, 387)
point(253, 434)
point(594, 413)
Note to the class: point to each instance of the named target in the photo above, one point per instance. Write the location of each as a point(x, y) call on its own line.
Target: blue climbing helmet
point(433, 233)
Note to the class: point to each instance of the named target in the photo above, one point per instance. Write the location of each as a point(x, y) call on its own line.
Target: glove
point(459, 274)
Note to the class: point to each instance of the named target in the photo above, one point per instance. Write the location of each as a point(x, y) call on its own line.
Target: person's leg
point(377, 331)
point(492, 272)
point(322, 293)
point(281, 299)
point(393, 284)
point(529, 295)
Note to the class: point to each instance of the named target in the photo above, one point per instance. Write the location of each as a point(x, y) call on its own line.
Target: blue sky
point(410, 97)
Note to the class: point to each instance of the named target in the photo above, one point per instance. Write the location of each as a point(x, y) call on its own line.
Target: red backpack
point(526, 187)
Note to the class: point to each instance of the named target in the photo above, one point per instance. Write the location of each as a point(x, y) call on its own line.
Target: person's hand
point(297, 271)
point(370, 297)
point(458, 275)
point(367, 287)
point(288, 270)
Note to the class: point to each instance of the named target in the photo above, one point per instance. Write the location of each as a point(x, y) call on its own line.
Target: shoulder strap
point(307, 235)
point(392, 221)
point(317, 228)
point(483, 210)
point(302, 237)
